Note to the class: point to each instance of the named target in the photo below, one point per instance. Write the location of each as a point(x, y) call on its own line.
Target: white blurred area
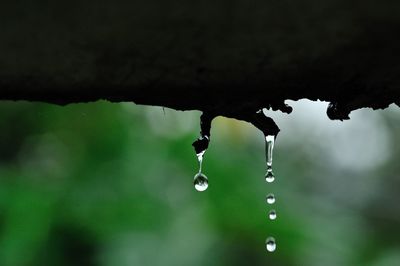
point(361, 143)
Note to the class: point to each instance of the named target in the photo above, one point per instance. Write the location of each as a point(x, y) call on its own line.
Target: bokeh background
point(111, 184)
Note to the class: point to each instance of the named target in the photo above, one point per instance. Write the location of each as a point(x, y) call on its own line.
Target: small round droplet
point(269, 177)
point(270, 244)
point(200, 182)
point(272, 215)
point(270, 198)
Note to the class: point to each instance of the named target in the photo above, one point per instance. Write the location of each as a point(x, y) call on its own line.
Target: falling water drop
point(270, 244)
point(200, 182)
point(269, 176)
point(270, 198)
point(272, 214)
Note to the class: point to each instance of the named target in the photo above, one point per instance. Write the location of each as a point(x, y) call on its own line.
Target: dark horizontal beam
point(227, 57)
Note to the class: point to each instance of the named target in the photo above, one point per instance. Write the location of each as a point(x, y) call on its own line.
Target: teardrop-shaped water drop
point(270, 198)
point(272, 215)
point(269, 176)
point(200, 182)
point(270, 244)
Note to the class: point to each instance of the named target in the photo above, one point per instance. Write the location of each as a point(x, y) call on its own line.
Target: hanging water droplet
point(269, 176)
point(200, 182)
point(269, 148)
point(200, 146)
point(272, 215)
point(270, 244)
point(270, 198)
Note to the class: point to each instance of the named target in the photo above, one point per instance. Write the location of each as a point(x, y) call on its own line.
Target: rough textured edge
point(228, 58)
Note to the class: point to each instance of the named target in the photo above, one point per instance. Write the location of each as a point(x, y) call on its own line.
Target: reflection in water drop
point(270, 198)
point(270, 244)
point(272, 214)
point(200, 182)
point(269, 176)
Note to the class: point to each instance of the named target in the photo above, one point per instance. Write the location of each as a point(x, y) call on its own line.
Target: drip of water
point(272, 215)
point(200, 159)
point(269, 176)
point(270, 198)
point(200, 182)
point(269, 148)
point(270, 244)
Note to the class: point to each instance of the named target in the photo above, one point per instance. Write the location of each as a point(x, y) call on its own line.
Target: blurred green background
point(111, 184)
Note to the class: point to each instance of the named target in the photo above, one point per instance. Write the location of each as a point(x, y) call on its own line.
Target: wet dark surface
point(225, 57)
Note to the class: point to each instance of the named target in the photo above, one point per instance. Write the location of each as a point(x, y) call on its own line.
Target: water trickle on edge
point(269, 148)
point(200, 180)
point(270, 243)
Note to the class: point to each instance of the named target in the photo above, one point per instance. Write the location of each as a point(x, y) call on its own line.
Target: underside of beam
point(227, 57)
